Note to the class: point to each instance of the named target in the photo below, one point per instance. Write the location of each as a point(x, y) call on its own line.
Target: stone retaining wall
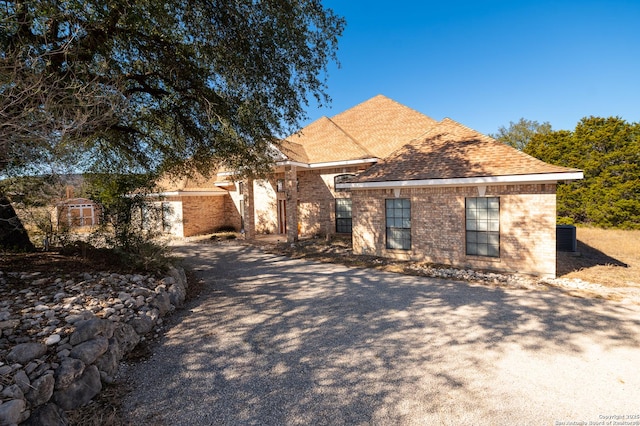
point(62, 338)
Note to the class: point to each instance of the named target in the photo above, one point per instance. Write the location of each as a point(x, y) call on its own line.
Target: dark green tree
point(160, 83)
point(519, 134)
point(608, 151)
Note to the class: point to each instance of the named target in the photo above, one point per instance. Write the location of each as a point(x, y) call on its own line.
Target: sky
point(488, 63)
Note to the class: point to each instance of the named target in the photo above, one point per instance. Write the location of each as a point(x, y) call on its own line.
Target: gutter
point(484, 180)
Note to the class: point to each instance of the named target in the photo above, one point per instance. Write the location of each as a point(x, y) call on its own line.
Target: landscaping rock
point(126, 337)
point(22, 380)
point(162, 302)
point(11, 411)
point(90, 350)
point(41, 390)
point(25, 352)
point(142, 325)
point(92, 328)
point(69, 370)
point(82, 348)
point(47, 415)
point(81, 391)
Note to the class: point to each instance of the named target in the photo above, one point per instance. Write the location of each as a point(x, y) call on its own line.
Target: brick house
point(457, 197)
point(197, 205)
point(404, 186)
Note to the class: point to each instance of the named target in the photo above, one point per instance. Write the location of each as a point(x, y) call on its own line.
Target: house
point(404, 186)
point(76, 212)
point(197, 205)
point(457, 197)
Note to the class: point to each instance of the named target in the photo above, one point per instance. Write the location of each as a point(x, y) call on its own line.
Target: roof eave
point(328, 164)
point(200, 193)
point(471, 181)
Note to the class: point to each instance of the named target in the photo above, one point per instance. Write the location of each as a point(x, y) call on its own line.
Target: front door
point(282, 216)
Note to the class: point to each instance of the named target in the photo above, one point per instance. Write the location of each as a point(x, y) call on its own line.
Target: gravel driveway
point(279, 341)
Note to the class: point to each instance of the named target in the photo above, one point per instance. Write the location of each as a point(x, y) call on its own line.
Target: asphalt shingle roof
point(372, 129)
point(450, 150)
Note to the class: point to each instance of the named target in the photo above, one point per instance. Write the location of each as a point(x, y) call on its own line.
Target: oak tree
point(155, 85)
point(520, 133)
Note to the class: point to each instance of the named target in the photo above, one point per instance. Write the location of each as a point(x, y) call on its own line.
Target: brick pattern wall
point(202, 215)
point(527, 227)
point(266, 207)
point(232, 213)
point(317, 195)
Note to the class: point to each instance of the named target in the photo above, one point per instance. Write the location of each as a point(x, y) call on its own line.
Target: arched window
point(340, 179)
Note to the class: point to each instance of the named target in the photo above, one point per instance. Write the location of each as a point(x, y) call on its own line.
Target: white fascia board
point(484, 180)
point(188, 194)
point(343, 163)
point(227, 173)
point(328, 164)
point(292, 163)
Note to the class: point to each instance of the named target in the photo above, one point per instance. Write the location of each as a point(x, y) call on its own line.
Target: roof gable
point(453, 151)
point(322, 141)
point(372, 129)
point(383, 125)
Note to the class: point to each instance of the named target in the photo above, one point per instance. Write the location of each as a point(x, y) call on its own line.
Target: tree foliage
point(131, 219)
point(519, 134)
point(608, 151)
point(155, 84)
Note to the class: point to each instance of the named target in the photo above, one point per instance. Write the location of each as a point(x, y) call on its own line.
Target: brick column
point(291, 188)
point(249, 211)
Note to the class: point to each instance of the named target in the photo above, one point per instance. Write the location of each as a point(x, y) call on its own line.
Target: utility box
point(566, 238)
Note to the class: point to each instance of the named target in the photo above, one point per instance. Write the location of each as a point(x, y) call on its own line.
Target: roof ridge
point(352, 138)
point(381, 96)
point(357, 105)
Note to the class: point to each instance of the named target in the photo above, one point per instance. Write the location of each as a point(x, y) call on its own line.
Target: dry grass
point(610, 257)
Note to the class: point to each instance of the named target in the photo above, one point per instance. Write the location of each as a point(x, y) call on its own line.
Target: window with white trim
point(482, 215)
point(398, 223)
point(343, 215)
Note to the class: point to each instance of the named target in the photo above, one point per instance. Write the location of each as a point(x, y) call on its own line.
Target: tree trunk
point(13, 236)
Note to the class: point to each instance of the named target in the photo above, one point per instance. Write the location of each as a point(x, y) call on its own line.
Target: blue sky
point(486, 63)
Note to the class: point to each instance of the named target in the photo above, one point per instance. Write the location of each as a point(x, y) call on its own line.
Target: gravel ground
point(280, 341)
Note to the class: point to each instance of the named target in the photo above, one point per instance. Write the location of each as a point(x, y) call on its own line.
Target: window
point(483, 226)
point(343, 215)
point(280, 185)
point(80, 215)
point(340, 179)
point(398, 216)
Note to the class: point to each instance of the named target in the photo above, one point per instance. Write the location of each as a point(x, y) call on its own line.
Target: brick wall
point(527, 227)
point(316, 209)
point(266, 208)
point(202, 215)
